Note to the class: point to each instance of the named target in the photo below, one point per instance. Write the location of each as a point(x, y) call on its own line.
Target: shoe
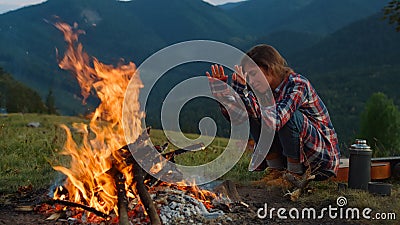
point(287, 180)
point(272, 174)
point(261, 167)
point(280, 182)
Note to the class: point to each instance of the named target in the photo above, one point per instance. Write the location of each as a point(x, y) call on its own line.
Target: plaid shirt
point(319, 144)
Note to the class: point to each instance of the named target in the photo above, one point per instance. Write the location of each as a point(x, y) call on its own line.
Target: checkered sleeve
point(248, 98)
point(236, 104)
point(219, 87)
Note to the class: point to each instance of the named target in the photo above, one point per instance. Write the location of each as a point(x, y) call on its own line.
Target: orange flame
point(87, 179)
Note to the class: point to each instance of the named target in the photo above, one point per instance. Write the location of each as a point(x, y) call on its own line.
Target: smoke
point(59, 181)
point(91, 17)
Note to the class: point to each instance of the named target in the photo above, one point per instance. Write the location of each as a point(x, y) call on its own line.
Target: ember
point(104, 182)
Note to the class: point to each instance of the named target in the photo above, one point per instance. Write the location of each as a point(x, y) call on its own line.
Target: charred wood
point(144, 195)
point(77, 205)
point(122, 202)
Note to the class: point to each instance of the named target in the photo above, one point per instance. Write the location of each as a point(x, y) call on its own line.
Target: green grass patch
point(26, 153)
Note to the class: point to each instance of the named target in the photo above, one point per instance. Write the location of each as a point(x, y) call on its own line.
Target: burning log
point(170, 156)
point(144, 195)
point(122, 202)
point(140, 175)
point(229, 199)
point(140, 145)
point(77, 205)
point(228, 189)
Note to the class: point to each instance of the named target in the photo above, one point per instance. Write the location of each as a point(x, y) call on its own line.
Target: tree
point(50, 103)
point(380, 125)
point(16, 97)
point(392, 12)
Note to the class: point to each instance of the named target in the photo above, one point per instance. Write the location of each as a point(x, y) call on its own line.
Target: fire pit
point(173, 205)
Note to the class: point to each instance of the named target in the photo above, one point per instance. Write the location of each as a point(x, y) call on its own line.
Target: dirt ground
point(255, 197)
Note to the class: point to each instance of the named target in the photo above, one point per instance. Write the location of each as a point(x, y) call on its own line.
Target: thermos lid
point(360, 144)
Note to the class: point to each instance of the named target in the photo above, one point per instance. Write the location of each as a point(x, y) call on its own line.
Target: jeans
point(286, 141)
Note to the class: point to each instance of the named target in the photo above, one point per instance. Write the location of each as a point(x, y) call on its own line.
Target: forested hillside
point(17, 97)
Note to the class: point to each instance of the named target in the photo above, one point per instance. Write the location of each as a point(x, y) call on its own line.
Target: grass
point(238, 173)
point(26, 153)
point(26, 156)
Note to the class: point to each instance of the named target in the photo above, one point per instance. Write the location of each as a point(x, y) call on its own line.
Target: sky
point(6, 5)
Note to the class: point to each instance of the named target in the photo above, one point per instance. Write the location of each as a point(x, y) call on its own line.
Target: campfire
point(104, 182)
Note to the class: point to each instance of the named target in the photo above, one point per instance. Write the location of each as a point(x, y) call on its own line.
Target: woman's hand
point(239, 81)
point(217, 72)
point(239, 76)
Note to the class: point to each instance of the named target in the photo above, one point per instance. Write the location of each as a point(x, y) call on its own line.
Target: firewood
point(140, 175)
point(144, 195)
point(77, 205)
point(122, 202)
point(24, 208)
point(228, 189)
point(54, 216)
point(300, 184)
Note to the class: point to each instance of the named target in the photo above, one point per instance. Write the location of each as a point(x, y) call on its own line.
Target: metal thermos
point(360, 165)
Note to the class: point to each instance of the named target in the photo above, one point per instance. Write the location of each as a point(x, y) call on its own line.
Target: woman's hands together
point(221, 89)
point(217, 72)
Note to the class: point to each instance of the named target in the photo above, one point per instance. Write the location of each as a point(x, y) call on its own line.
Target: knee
point(293, 126)
point(289, 135)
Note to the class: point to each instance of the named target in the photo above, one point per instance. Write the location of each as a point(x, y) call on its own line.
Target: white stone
point(164, 219)
point(173, 205)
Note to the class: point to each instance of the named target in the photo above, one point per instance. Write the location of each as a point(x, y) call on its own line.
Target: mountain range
point(344, 47)
point(314, 16)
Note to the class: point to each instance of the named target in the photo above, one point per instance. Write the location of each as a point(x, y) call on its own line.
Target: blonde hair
point(268, 58)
